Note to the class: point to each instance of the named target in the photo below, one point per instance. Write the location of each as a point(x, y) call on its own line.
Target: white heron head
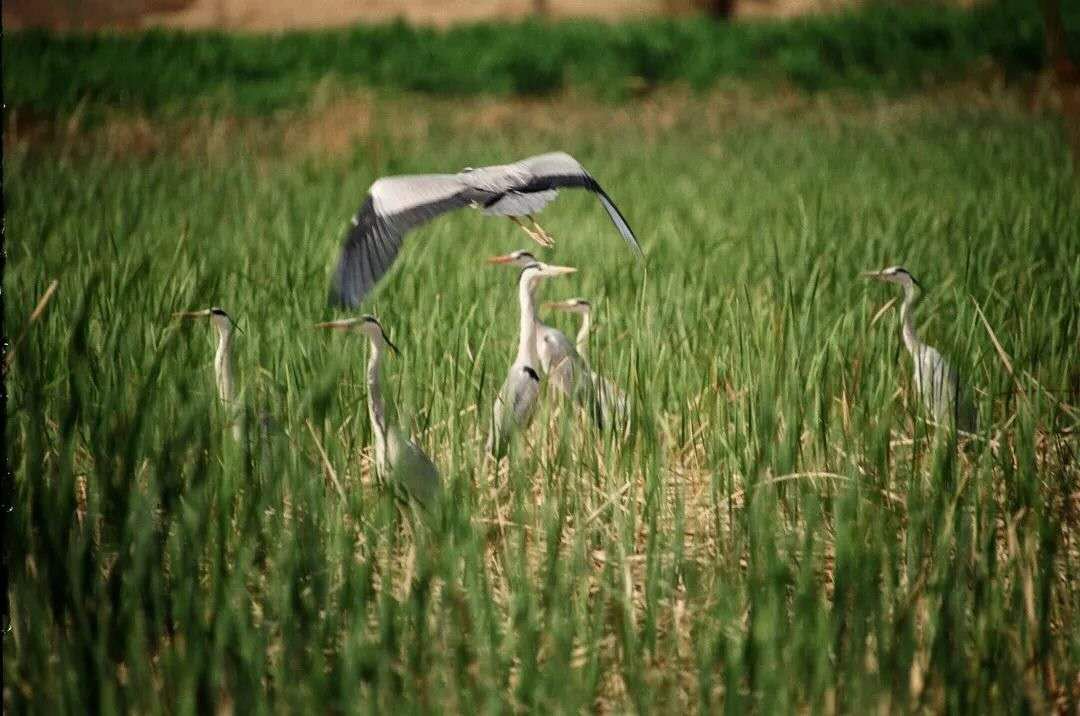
point(368, 325)
point(570, 305)
point(534, 272)
point(520, 258)
point(894, 274)
point(222, 321)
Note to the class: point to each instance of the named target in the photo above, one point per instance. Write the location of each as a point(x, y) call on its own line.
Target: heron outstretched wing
point(557, 170)
point(516, 203)
point(394, 205)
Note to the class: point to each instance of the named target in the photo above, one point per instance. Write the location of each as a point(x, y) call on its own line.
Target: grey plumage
point(514, 407)
point(396, 205)
point(399, 463)
point(613, 403)
point(224, 373)
point(566, 369)
point(516, 401)
point(936, 381)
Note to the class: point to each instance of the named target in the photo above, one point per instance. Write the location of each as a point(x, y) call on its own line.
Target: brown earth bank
point(337, 121)
point(277, 15)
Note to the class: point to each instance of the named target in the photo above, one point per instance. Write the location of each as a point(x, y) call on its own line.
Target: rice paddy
point(781, 529)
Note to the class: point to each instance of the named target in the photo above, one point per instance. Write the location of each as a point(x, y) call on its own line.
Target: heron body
point(224, 375)
point(224, 372)
point(614, 407)
point(395, 205)
point(559, 359)
point(516, 401)
point(936, 382)
point(399, 462)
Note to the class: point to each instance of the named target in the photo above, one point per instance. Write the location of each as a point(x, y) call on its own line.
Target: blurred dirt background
point(1059, 87)
point(271, 15)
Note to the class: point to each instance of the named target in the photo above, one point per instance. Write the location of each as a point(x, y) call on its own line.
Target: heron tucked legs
point(536, 233)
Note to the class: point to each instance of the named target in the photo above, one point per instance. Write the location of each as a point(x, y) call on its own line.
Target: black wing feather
point(585, 181)
point(372, 245)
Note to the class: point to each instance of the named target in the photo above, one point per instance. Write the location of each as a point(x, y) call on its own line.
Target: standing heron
point(399, 462)
point(559, 359)
point(397, 204)
point(224, 375)
point(614, 407)
point(935, 380)
point(516, 401)
point(584, 309)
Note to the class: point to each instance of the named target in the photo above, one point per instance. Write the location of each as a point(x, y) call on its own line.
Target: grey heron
point(394, 205)
point(224, 375)
point(614, 407)
point(399, 462)
point(582, 308)
point(516, 401)
point(935, 380)
point(559, 359)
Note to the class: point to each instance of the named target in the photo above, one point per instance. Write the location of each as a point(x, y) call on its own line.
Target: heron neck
point(911, 338)
point(529, 321)
point(223, 368)
point(582, 341)
point(376, 404)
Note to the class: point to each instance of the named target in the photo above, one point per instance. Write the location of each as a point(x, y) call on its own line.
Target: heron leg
point(543, 234)
point(538, 236)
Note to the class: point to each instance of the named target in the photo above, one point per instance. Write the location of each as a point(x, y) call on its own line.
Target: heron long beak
point(504, 259)
point(192, 314)
point(559, 270)
point(342, 325)
point(871, 274)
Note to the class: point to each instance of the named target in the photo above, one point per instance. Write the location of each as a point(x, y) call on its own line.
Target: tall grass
point(881, 47)
point(780, 531)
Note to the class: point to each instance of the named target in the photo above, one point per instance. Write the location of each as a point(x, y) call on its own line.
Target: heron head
point(223, 322)
point(894, 274)
point(531, 274)
point(520, 258)
point(368, 325)
point(570, 305)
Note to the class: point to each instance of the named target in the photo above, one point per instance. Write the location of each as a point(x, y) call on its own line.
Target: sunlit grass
point(780, 529)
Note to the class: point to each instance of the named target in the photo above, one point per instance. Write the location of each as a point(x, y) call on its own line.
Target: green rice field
point(781, 530)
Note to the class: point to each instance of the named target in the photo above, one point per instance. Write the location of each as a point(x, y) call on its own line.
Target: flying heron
point(224, 375)
point(560, 361)
point(399, 462)
point(516, 401)
point(397, 204)
point(614, 407)
point(935, 380)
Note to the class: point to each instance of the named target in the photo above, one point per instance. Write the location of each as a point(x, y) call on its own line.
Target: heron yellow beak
point(871, 274)
point(192, 314)
point(558, 305)
point(342, 325)
point(504, 259)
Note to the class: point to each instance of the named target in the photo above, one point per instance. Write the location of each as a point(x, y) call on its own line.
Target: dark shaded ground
point(85, 14)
